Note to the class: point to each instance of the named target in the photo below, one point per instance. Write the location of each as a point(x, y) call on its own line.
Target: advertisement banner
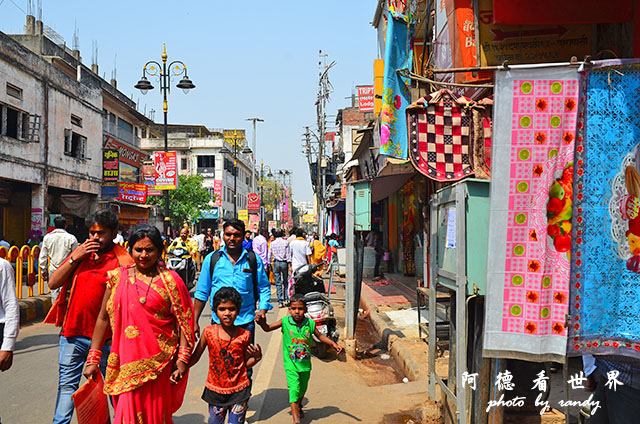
point(365, 98)
point(217, 191)
point(308, 218)
point(243, 215)
point(149, 178)
point(254, 220)
point(128, 154)
point(213, 213)
point(166, 171)
point(133, 216)
point(272, 225)
point(132, 192)
point(253, 202)
point(110, 167)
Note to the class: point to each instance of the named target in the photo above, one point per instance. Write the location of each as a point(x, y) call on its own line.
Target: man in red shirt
point(82, 277)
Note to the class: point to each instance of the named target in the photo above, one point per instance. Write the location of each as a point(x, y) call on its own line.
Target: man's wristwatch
point(72, 261)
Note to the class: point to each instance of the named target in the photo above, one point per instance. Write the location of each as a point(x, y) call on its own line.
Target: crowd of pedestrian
point(123, 314)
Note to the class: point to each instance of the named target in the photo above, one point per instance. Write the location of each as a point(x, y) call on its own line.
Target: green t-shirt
point(296, 351)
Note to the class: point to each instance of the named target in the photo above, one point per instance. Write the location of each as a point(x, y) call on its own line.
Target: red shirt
point(86, 296)
point(228, 371)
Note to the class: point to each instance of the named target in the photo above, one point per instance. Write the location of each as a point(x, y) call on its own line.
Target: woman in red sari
point(150, 314)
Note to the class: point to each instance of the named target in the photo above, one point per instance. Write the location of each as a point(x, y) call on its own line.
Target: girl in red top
point(228, 388)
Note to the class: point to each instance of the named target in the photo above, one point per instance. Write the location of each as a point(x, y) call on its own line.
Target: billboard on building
point(149, 178)
point(243, 215)
point(132, 192)
point(110, 167)
point(166, 170)
point(217, 191)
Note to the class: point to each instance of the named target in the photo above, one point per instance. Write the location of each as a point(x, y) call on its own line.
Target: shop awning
point(383, 187)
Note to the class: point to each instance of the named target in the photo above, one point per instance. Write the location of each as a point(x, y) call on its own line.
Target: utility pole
point(324, 90)
point(253, 147)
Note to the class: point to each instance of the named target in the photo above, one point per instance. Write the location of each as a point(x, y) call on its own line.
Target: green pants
point(297, 382)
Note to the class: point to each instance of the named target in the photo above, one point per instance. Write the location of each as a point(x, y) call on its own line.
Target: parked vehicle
point(319, 307)
point(180, 260)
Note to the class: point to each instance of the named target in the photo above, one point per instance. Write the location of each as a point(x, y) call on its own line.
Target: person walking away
point(318, 253)
point(292, 235)
point(297, 331)
point(379, 251)
point(199, 239)
point(300, 251)
point(260, 245)
point(280, 260)
point(247, 243)
point(148, 310)
point(56, 246)
point(83, 280)
point(234, 266)
point(231, 354)
point(119, 239)
point(9, 315)
point(216, 241)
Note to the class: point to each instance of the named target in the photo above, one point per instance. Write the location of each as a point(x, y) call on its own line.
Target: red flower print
point(578, 285)
point(530, 327)
point(541, 137)
point(615, 344)
point(541, 105)
point(576, 318)
point(595, 344)
point(569, 105)
point(557, 328)
point(636, 347)
point(606, 344)
point(532, 297)
point(534, 266)
point(577, 306)
point(576, 347)
point(577, 326)
point(537, 170)
point(533, 236)
point(559, 297)
point(567, 137)
point(580, 124)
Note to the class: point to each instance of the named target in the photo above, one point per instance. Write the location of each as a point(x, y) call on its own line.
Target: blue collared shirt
point(239, 277)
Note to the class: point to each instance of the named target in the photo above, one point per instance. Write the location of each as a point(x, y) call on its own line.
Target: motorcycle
point(179, 259)
point(319, 307)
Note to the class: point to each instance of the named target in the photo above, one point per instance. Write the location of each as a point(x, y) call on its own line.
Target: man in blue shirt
point(233, 270)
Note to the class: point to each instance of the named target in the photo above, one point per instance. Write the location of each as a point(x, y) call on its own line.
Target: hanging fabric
point(605, 267)
point(396, 94)
point(482, 131)
point(439, 128)
point(535, 116)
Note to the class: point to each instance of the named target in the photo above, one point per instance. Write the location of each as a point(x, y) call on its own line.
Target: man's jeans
point(71, 359)
point(281, 275)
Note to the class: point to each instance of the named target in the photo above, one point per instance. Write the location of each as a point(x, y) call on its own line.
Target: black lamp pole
point(155, 69)
point(235, 177)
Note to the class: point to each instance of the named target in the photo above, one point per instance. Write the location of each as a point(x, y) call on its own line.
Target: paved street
point(340, 391)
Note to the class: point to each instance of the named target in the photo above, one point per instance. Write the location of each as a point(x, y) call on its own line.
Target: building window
point(13, 91)
point(76, 120)
point(183, 163)
point(75, 145)
point(206, 161)
point(19, 125)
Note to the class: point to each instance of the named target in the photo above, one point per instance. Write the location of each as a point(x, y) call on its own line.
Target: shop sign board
point(109, 191)
point(132, 192)
point(110, 167)
point(213, 213)
point(365, 98)
point(253, 202)
point(166, 170)
point(128, 154)
point(308, 218)
point(272, 225)
point(243, 215)
point(149, 178)
point(133, 216)
point(529, 44)
point(217, 191)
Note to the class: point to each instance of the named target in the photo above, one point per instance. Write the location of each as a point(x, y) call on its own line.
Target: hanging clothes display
point(396, 94)
point(605, 267)
point(530, 214)
point(439, 142)
point(482, 133)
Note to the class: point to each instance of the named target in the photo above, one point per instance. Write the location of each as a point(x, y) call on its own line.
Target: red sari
point(146, 336)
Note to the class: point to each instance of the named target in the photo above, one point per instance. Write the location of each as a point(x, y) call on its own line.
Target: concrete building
point(199, 152)
point(52, 109)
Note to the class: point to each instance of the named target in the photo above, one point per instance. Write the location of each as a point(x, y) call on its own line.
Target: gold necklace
point(143, 299)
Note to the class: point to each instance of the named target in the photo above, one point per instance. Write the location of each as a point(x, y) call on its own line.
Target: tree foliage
point(186, 201)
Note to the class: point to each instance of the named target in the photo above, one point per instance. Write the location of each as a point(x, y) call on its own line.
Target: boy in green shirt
point(296, 337)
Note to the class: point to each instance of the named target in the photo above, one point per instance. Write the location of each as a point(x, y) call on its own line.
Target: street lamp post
point(246, 150)
point(164, 73)
point(269, 175)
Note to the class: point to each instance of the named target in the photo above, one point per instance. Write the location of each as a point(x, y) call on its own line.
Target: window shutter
point(68, 148)
point(83, 148)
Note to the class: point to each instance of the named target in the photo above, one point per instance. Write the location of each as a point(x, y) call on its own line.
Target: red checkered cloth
point(439, 141)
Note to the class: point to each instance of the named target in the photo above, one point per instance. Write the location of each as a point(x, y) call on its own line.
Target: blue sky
point(247, 59)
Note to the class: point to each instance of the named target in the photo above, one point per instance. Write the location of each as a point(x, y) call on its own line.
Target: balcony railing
point(121, 134)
